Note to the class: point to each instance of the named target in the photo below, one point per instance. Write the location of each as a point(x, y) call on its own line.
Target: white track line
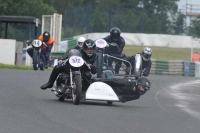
point(182, 98)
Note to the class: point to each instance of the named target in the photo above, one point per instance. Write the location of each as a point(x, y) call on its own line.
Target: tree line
point(134, 16)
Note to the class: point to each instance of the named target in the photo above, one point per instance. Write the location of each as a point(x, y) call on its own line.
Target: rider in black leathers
point(89, 55)
point(116, 51)
point(127, 89)
point(146, 61)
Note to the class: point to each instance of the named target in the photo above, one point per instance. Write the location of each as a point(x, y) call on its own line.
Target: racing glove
point(145, 73)
point(93, 70)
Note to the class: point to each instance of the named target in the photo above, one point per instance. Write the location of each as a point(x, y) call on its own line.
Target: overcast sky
point(195, 4)
point(195, 7)
point(190, 1)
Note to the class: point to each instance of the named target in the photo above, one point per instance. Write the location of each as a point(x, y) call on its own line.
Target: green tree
point(34, 8)
point(194, 29)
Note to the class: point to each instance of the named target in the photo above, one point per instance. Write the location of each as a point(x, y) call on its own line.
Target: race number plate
point(100, 43)
point(37, 43)
point(76, 61)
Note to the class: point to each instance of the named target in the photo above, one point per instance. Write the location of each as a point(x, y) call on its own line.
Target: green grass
point(162, 53)
point(19, 67)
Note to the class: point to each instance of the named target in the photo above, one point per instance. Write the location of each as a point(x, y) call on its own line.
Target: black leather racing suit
point(146, 65)
point(115, 51)
point(123, 87)
point(86, 74)
point(77, 47)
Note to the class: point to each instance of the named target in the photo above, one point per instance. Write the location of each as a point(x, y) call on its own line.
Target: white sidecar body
point(101, 92)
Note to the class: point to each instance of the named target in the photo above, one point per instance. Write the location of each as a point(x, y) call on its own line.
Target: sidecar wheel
point(109, 102)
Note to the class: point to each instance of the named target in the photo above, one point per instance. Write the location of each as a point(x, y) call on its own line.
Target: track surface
point(171, 106)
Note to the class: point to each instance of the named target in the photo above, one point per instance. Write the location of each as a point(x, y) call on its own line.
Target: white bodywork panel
point(100, 91)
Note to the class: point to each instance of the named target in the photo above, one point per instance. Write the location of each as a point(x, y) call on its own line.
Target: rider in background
point(80, 42)
point(115, 50)
point(127, 89)
point(88, 52)
point(146, 61)
point(49, 40)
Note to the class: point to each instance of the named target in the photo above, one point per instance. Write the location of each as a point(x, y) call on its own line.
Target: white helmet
point(81, 41)
point(146, 53)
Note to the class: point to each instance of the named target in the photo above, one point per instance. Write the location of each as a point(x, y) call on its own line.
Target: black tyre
point(61, 99)
point(35, 59)
point(41, 64)
point(77, 92)
point(109, 102)
point(41, 68)
point(100, 64)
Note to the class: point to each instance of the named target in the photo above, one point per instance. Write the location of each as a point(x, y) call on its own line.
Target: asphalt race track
point(171, 106)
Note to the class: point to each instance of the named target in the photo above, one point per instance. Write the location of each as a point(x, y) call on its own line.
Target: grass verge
point(163, 53)
point(19, 67)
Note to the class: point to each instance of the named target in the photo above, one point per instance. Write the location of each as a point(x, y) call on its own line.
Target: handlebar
point(112, 44)
point(44, 44)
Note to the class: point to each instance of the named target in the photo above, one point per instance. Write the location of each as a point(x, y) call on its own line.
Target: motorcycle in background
point(38, 57)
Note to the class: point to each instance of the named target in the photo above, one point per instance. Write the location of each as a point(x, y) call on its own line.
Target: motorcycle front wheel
point(35, 59)
point(77, 91)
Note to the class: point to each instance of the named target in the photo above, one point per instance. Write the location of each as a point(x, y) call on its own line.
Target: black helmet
point(46, 36)
point(145, 83)
point(146, 53)
point(115, 33)
point(89, 47)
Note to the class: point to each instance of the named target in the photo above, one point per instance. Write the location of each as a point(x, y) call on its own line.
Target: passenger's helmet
point(89, 47)
point(115, 33)
point(146, 53)
point(80, 41)
point(145, 83)
point(46, 36)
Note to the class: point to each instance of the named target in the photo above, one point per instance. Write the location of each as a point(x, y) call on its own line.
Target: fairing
point(100, 91)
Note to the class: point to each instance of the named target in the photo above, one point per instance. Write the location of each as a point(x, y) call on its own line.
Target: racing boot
point(52, 79)
point(46, 64)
